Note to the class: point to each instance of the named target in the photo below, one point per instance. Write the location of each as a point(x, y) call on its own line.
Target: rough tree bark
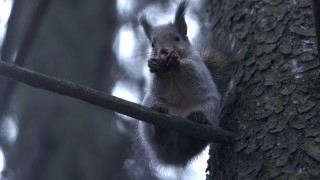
point(275, 103)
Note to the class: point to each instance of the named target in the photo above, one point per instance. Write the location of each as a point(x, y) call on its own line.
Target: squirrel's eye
point(152, 45)
point(177, 38)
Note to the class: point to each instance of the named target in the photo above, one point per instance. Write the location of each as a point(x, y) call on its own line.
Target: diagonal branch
point(63, 87)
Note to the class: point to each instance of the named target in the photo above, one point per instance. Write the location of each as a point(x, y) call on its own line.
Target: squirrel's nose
point(163, 53)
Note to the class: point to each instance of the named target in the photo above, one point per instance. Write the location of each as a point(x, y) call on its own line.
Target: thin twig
point(63, 87)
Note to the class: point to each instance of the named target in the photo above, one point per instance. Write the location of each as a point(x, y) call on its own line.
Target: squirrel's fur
point(186, 82)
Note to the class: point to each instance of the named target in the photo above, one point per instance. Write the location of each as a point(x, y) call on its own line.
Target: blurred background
point(96, 43)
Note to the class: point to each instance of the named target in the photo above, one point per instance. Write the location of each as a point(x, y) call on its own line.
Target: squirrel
point(187, 81)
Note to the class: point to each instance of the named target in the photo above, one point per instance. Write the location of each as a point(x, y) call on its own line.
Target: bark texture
point(274, 107)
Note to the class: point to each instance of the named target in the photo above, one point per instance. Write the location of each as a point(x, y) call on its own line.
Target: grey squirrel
point(187, 82)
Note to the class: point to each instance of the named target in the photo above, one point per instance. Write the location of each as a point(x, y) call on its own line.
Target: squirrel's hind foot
point(160, 107)
point(198, 116)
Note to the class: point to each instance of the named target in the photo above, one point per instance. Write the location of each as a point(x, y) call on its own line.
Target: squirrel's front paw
point(171, 60)
point(160, 107)
point(163, 64)
point(198, 116)
point(155, 65)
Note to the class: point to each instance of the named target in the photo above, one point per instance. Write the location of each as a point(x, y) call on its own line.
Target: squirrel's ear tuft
point(145, 24)
point(179, 20)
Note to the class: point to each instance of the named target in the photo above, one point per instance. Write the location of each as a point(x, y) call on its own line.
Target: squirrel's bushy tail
point(221, 58)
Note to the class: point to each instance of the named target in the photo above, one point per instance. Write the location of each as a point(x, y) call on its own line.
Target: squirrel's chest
point(172, 93)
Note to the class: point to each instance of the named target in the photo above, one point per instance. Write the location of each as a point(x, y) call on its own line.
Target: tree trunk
point(274, 107)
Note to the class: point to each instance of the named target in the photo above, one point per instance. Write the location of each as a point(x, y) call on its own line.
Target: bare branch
point(137, 111)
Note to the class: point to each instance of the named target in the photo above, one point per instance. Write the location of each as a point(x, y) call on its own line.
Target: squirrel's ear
point(179, 20)
point(145, 24)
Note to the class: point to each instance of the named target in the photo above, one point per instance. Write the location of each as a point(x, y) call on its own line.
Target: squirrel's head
point(168, 37)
